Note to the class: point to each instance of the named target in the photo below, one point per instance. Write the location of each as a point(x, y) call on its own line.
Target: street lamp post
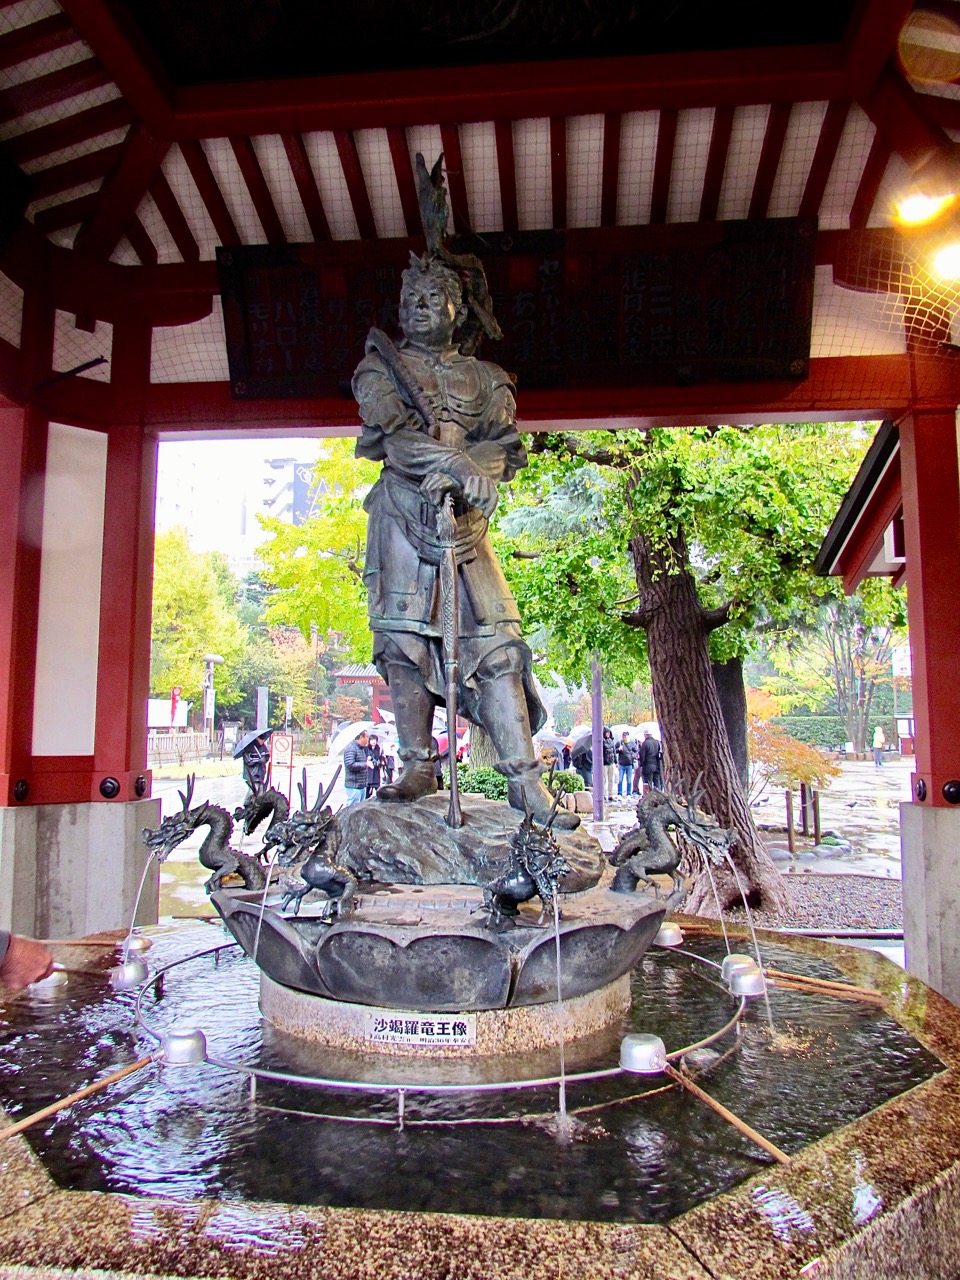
point(209, 694)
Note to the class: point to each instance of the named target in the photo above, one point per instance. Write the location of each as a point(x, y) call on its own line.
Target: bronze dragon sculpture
point(215, 852)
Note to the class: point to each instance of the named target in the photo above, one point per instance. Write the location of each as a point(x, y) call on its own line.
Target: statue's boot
point(413, 709)
point(503, 709)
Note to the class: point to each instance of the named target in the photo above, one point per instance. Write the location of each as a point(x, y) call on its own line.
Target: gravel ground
point(836, 902)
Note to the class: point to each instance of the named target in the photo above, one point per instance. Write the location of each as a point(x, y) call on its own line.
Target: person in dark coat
point(437, 763)
point(651, 761)
point(609, 763)
point(255, 758)
point(582, 760)
point(356, 769)
point(374, 759)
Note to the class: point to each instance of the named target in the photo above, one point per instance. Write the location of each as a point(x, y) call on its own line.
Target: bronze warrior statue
point(443, 422)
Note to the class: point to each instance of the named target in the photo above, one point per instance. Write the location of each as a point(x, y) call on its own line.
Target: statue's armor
point(473, 407)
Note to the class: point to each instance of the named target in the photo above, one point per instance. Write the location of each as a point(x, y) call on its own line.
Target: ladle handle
point(730, 1118)
point(54, 1107)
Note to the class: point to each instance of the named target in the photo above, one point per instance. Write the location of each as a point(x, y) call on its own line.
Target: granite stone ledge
point(79, 1233)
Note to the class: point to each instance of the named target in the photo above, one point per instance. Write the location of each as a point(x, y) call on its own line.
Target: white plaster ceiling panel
point(849, 323)
point(55, 60)
point(73, 346)
point(156, 228)
point(61, 197)
point(65, 237)
point(233, 188)
point(15, 16)
point(191, 352)
point(328, 171)
point(380, 178)
point(694, 130)
point(124, 254)
point(478, 146)
point(74, 152)
point(799, 146)
point(58, 111)
point(191, 203)
point(584, 170)
point(531, 161)
point(841, 189)
point(638, 152)
point(895, 181)
point(11, 310)
point(743, 156)
point(941, 89)
point(278, 175)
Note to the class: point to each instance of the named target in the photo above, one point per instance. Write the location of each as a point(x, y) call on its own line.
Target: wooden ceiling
point(131, 159)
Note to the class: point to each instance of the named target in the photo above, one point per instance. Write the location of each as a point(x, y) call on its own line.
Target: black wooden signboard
point(624, 306)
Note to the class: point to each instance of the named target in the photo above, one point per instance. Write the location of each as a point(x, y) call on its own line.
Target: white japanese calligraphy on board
point(392, 1027)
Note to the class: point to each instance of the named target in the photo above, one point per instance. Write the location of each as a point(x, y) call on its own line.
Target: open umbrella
point(549, 740)
point(346, 734)
point(247, 738)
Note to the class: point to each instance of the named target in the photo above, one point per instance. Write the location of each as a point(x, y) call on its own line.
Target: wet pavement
point(861, 809)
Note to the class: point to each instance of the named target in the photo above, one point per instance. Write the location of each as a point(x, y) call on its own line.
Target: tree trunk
point(728, 678)
point(482, 754)
point(695, 740)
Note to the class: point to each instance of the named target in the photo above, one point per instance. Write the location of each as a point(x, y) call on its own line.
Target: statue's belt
point(418, 518)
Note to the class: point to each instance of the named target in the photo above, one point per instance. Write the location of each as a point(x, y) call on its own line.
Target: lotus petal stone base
point(426, 948)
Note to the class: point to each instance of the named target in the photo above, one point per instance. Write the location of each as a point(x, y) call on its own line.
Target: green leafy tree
point(191, 617)
point(315, 569)
point(683, 538)
point(843, 654)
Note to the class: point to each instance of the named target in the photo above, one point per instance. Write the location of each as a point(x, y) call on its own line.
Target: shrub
point(482, 781)
point(825, 732)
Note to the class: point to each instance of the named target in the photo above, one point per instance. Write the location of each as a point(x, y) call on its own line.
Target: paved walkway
point(861, 808)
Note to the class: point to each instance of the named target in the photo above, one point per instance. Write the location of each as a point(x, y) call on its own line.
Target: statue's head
point(431, 303)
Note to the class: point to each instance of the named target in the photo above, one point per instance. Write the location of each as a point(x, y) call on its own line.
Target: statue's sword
point(450, 631)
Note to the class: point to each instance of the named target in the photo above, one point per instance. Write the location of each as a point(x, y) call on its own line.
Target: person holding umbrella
point(254, 750)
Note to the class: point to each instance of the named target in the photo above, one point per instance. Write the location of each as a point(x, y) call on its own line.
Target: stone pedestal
point(337, 1024)
point(930, 841)
point(67, 870)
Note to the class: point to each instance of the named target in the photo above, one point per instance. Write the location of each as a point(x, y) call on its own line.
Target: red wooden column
point(23, 447)
point(123, 676)
point(930, 469)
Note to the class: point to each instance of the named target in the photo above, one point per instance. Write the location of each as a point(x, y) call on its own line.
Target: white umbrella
point(545, 739)
point(346, 734)
point(619, 730)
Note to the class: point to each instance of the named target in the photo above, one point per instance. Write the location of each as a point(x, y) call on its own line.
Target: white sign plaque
point(390, 1026)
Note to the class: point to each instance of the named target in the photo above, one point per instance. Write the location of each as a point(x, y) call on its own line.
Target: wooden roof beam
point(143, 246)
point(172, 215)
point(303, 176)
point(74, 173)
point(513, 91)
point(507, 170)
point(663, 165)
point(558, 170)
point(770, 153)
point(60, 216)
point(456, 181)
point(356, 184)
point(50, 138)
point(122, 192)
point(896, 111)
point(259, 191)
point(831, 131)
point(610, 175)
point(406, 183)
point(36, 39)
point(210, 193)
point(870, 180)
point(48, 90)
point(121, 48)
point(716, 163)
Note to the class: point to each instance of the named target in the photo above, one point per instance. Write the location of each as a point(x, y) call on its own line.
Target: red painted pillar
point(930, 470)
point(23, 447)
point(123, 676)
